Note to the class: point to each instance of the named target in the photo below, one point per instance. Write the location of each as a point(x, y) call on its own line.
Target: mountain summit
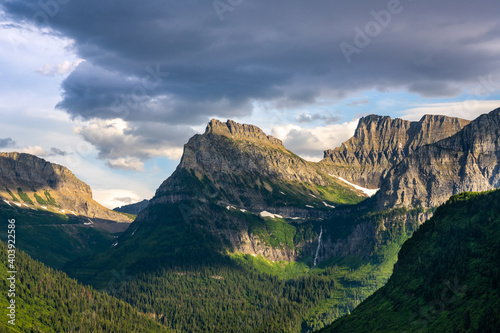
point(379, 143)
point(240, 165)
point(466, 161)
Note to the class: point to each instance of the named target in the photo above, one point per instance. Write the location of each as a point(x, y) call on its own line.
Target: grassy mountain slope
point(55, 238)
point(447, 278)
point(178, 269)
point(48, 301)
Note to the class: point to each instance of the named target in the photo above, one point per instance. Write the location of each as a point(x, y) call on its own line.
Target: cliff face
point(31, 182)
point(466, 161)
point(232, 173)
point(241, 166)
point(379, 143)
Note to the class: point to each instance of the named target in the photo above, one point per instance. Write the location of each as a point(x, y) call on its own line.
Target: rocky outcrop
point(379, 143)
point(249, 244)
point(48, 186)
point(244, 132)
point(466, 161)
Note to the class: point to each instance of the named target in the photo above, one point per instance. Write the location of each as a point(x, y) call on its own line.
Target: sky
point(114, 89)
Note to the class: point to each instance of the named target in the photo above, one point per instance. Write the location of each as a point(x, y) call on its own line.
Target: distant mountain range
point(134, 208)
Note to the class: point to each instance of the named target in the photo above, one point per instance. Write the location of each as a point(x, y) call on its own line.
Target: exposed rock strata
point(34, 175)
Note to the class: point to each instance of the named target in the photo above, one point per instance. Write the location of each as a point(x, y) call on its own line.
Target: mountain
point(134, 208)
point(238, 189)
point(238, 233)
point(447, 278)
point(469, 160)
point(54, 211)
point(242, 166)
point(244, 229)
point(31, 182)
point(48, 301)
point(379, 143)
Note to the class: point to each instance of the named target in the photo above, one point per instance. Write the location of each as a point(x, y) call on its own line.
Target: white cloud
point(129, 163)
point(35, 150)
point(112, 198)
point(127, 145)
point(62, 68)
point(468, 109)
point(310, 143)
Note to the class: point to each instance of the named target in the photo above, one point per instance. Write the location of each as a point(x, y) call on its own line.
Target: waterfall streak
point(317, 250)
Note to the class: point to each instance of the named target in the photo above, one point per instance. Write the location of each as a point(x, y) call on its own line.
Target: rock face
point(242, 166)
point(379, 143)
point(466, 161)
point(228, 176)
point(32, 182)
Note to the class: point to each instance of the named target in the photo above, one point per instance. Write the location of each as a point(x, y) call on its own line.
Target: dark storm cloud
point(178, 62)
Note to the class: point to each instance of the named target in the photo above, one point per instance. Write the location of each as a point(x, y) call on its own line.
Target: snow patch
point(17, 204)
point(309, 206)
point(327, 205)
point(271, 215)
point(72, 212)
point(243, 210)
point(282, 193)
point(367, 191)
point(115, 243)
point(44, 207)
point(312, 195)
point(8, 203)
point(230, 207)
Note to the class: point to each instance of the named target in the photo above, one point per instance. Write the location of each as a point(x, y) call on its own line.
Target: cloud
point(63, 68)
point(129, 163)
point(310, 143)
point(175, 61)
point(41, 152)
point(325, 118)
point(35, 150)
point(470, 109)
point(113, 198)
point(7, 142)
point(57, 151)
point(359, 102)
point(127, 146)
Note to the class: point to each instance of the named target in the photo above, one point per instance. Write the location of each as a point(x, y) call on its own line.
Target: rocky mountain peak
point(32, 182)
point(380, 142)
point(240, 131)
point(466, 161)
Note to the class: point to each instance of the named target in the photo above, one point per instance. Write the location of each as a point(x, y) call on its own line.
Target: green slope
point(48, 301)
point(172, 255)
point(447, 278)
point(54, 238)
